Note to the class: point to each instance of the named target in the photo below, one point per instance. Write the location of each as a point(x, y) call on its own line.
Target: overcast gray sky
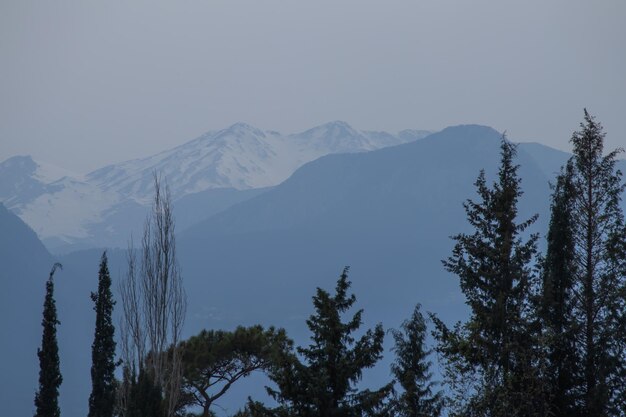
point(83, 84)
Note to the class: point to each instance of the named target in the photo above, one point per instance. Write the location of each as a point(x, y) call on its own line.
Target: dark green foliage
point(144, 397)
point(214, 360)
point(599, 249)
point(255, 409)
point(412, 370)
point(323, 382)
point(557, 302)
point(47, 397)
point(102, 398)
point(491, 357)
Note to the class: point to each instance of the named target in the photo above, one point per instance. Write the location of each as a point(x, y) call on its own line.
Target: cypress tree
point(50, 379)
point(599, 248)
point(494, 349)
point(557, 303)
point(324, 384)
point(102, 398)
point(412, 370)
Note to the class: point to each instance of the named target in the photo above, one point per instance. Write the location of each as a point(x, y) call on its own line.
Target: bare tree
point(154, 301)
point(133, 335)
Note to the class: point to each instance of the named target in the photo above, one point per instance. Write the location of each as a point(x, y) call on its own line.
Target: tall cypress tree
point(599, 248)
point(324, 383)
point(50, 379)
point(557, 303)
point(494, 264)
point(102, 398)
point(412, 370)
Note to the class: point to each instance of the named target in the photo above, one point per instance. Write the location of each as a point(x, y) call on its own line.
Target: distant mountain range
point(70, 211)
point(255, 255)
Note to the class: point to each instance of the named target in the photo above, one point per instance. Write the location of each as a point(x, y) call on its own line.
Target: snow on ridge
point(240, 156)
point(65, 205)
point(25, 165)
point(68, 211)
point(48, 173)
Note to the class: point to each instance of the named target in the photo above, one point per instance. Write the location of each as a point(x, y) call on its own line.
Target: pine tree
point(599, 249)
point(412, 370)
point(50, 379)
point(214, 360)
point(494, 349)
point(102, 398)
point(557, 303)
point(324, 383)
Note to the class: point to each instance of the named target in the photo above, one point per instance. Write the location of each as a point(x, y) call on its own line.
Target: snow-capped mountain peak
point(24, 179)
point(66, 207)
point(328, 130)
point(241, 128)
point(25, 165)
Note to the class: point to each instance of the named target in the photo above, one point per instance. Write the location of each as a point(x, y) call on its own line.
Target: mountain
point(389, 213)
point(258, 258)
point(24, 180)
point(386, 213)
point(71, 212)
point(548, 159)
point(25, 265)
point(240, 157)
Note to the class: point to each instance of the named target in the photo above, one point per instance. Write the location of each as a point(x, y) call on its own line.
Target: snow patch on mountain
point(67, 207)
point(67, 210)
point(23, 180)
point(240, 157)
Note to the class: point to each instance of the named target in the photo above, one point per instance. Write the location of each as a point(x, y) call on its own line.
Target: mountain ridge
point(386, 213)
point(76, 211)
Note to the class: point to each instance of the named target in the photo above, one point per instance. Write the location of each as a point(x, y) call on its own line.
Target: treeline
point(546, 334)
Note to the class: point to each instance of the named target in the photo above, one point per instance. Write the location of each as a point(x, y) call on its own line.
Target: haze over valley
point(360, 208)
point(248, 234)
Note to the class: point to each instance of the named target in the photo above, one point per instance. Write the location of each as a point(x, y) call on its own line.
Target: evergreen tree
point(214, 360)
point(412, 370)
point(495, 348)
point(599, 239)
point(557, 303)
point(145, 398)
point(324, 383)
point(47, 397)
point(102, 398)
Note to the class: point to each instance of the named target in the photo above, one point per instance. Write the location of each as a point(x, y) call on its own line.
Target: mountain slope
point(389, 213)
point(104, 207)
point(25, 264)
point(239, 157)
point(23, 179)
point(24, 268)
point(548, 159)
point(436, 173)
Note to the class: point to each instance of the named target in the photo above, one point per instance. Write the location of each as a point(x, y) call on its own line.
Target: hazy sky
point(83, 83)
